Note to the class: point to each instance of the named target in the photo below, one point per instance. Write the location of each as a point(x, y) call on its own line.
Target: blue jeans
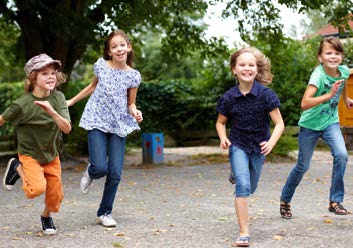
point(106, 157)
point(247, 169)
point(307, 141)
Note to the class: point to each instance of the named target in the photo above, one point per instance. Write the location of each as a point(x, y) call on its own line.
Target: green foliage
point(76, 141)
point(172, 106)
point(8, 93)
point(348, 53)
point(11, 59)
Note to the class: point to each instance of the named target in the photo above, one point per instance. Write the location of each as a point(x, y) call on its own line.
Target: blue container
point(152, 148)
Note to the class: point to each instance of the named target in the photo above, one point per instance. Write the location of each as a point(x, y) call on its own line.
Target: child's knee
point(242, 189)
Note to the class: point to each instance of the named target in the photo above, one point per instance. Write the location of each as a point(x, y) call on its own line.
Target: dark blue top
point(248, 115)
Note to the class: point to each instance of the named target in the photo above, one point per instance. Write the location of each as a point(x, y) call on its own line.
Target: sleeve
point(315, 78)
point(272, 101)
point(97, 67)
point(62, 108)
point(13, 114)
point(135, 80)
point(222, 106)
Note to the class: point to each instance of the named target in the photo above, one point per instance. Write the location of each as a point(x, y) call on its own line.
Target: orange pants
point(39, 178)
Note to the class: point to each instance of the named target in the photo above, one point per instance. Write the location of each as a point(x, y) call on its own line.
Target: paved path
point(183, 206)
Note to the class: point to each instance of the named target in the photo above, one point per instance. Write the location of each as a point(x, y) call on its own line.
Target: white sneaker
point(107, 220)
point(86, 181)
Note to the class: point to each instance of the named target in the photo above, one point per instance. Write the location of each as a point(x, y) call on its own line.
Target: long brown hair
point(118, 32)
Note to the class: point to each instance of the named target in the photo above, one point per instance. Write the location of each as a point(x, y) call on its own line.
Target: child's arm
point(267, 146)
point(221, 131)
point(348, 101)
point(131, 99)
point(2, 120)
point(310, 101)
point(63, 124)
point(87, 91)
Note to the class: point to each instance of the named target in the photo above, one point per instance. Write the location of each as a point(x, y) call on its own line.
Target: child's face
point(329, 57)
point(46, 79)
point(118, 49)
point(245, 68)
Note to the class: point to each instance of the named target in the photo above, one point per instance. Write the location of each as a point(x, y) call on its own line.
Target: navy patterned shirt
point(248, 115)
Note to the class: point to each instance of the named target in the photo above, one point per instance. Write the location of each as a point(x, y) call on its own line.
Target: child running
point(39, 116)
point(320, 120)
point(109, 116)
point(248, 108)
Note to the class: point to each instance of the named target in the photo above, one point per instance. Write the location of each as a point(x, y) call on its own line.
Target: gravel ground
point(182, 203)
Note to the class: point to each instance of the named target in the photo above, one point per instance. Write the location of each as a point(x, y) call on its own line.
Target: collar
point(254, 90)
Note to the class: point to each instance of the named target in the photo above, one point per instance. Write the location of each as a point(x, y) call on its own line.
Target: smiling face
point(329, 57)
point(118, 49)
point(45, 81)
point(245, 68)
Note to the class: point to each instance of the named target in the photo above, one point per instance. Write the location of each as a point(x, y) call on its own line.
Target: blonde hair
point(32, 78)
point(263, 63)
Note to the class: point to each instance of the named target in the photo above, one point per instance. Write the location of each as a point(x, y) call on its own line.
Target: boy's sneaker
point(231, 177)
point(107, 220)
point(86, 181)
point(48, 227)
point(11, 175)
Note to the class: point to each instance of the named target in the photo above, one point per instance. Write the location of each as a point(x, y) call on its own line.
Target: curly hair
point(32, 78)
point(263, 63)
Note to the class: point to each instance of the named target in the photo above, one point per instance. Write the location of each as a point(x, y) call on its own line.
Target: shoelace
point(14, 178)
point(47, 223)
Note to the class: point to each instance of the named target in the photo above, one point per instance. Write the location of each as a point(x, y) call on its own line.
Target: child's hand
point(266, 148)
point(45, 105)
point(335, 86)
point(69, 103)
point(137, 114)
point(225, 143)
point(349, 103)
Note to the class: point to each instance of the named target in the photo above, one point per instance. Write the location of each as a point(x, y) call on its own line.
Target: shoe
point(337, 208)
point(243, 241)
point(285, 210)
point(11, 175)
point(107, 220)
point(48, 227)
point(231, 177)
point(86, 181)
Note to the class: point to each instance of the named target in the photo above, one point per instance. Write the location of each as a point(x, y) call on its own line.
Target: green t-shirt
point(321, 116)
point(38, 135)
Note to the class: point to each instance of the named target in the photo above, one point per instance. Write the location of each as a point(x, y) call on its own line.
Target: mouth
point(50, 83)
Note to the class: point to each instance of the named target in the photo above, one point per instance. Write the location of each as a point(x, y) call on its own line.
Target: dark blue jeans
point(106, 156)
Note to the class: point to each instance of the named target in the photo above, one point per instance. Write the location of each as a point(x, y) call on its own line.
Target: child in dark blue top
point(248, 108)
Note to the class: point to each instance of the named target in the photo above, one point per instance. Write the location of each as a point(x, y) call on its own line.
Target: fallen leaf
point(328, 221)
point(119, 234)
point(278, 237)
point(312, 228)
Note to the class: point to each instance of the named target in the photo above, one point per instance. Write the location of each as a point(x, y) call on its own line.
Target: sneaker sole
point(111, 225)
point(50, 232)
point(7, 187)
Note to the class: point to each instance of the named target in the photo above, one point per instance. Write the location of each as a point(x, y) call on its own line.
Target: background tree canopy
point(65, 29)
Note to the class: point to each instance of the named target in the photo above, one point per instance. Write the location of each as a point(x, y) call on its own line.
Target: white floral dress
point(106, 108)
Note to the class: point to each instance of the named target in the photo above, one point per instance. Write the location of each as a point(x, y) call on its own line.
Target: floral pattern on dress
point(106, 109)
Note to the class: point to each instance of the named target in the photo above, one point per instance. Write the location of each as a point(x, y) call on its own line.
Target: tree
point(65, 28)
